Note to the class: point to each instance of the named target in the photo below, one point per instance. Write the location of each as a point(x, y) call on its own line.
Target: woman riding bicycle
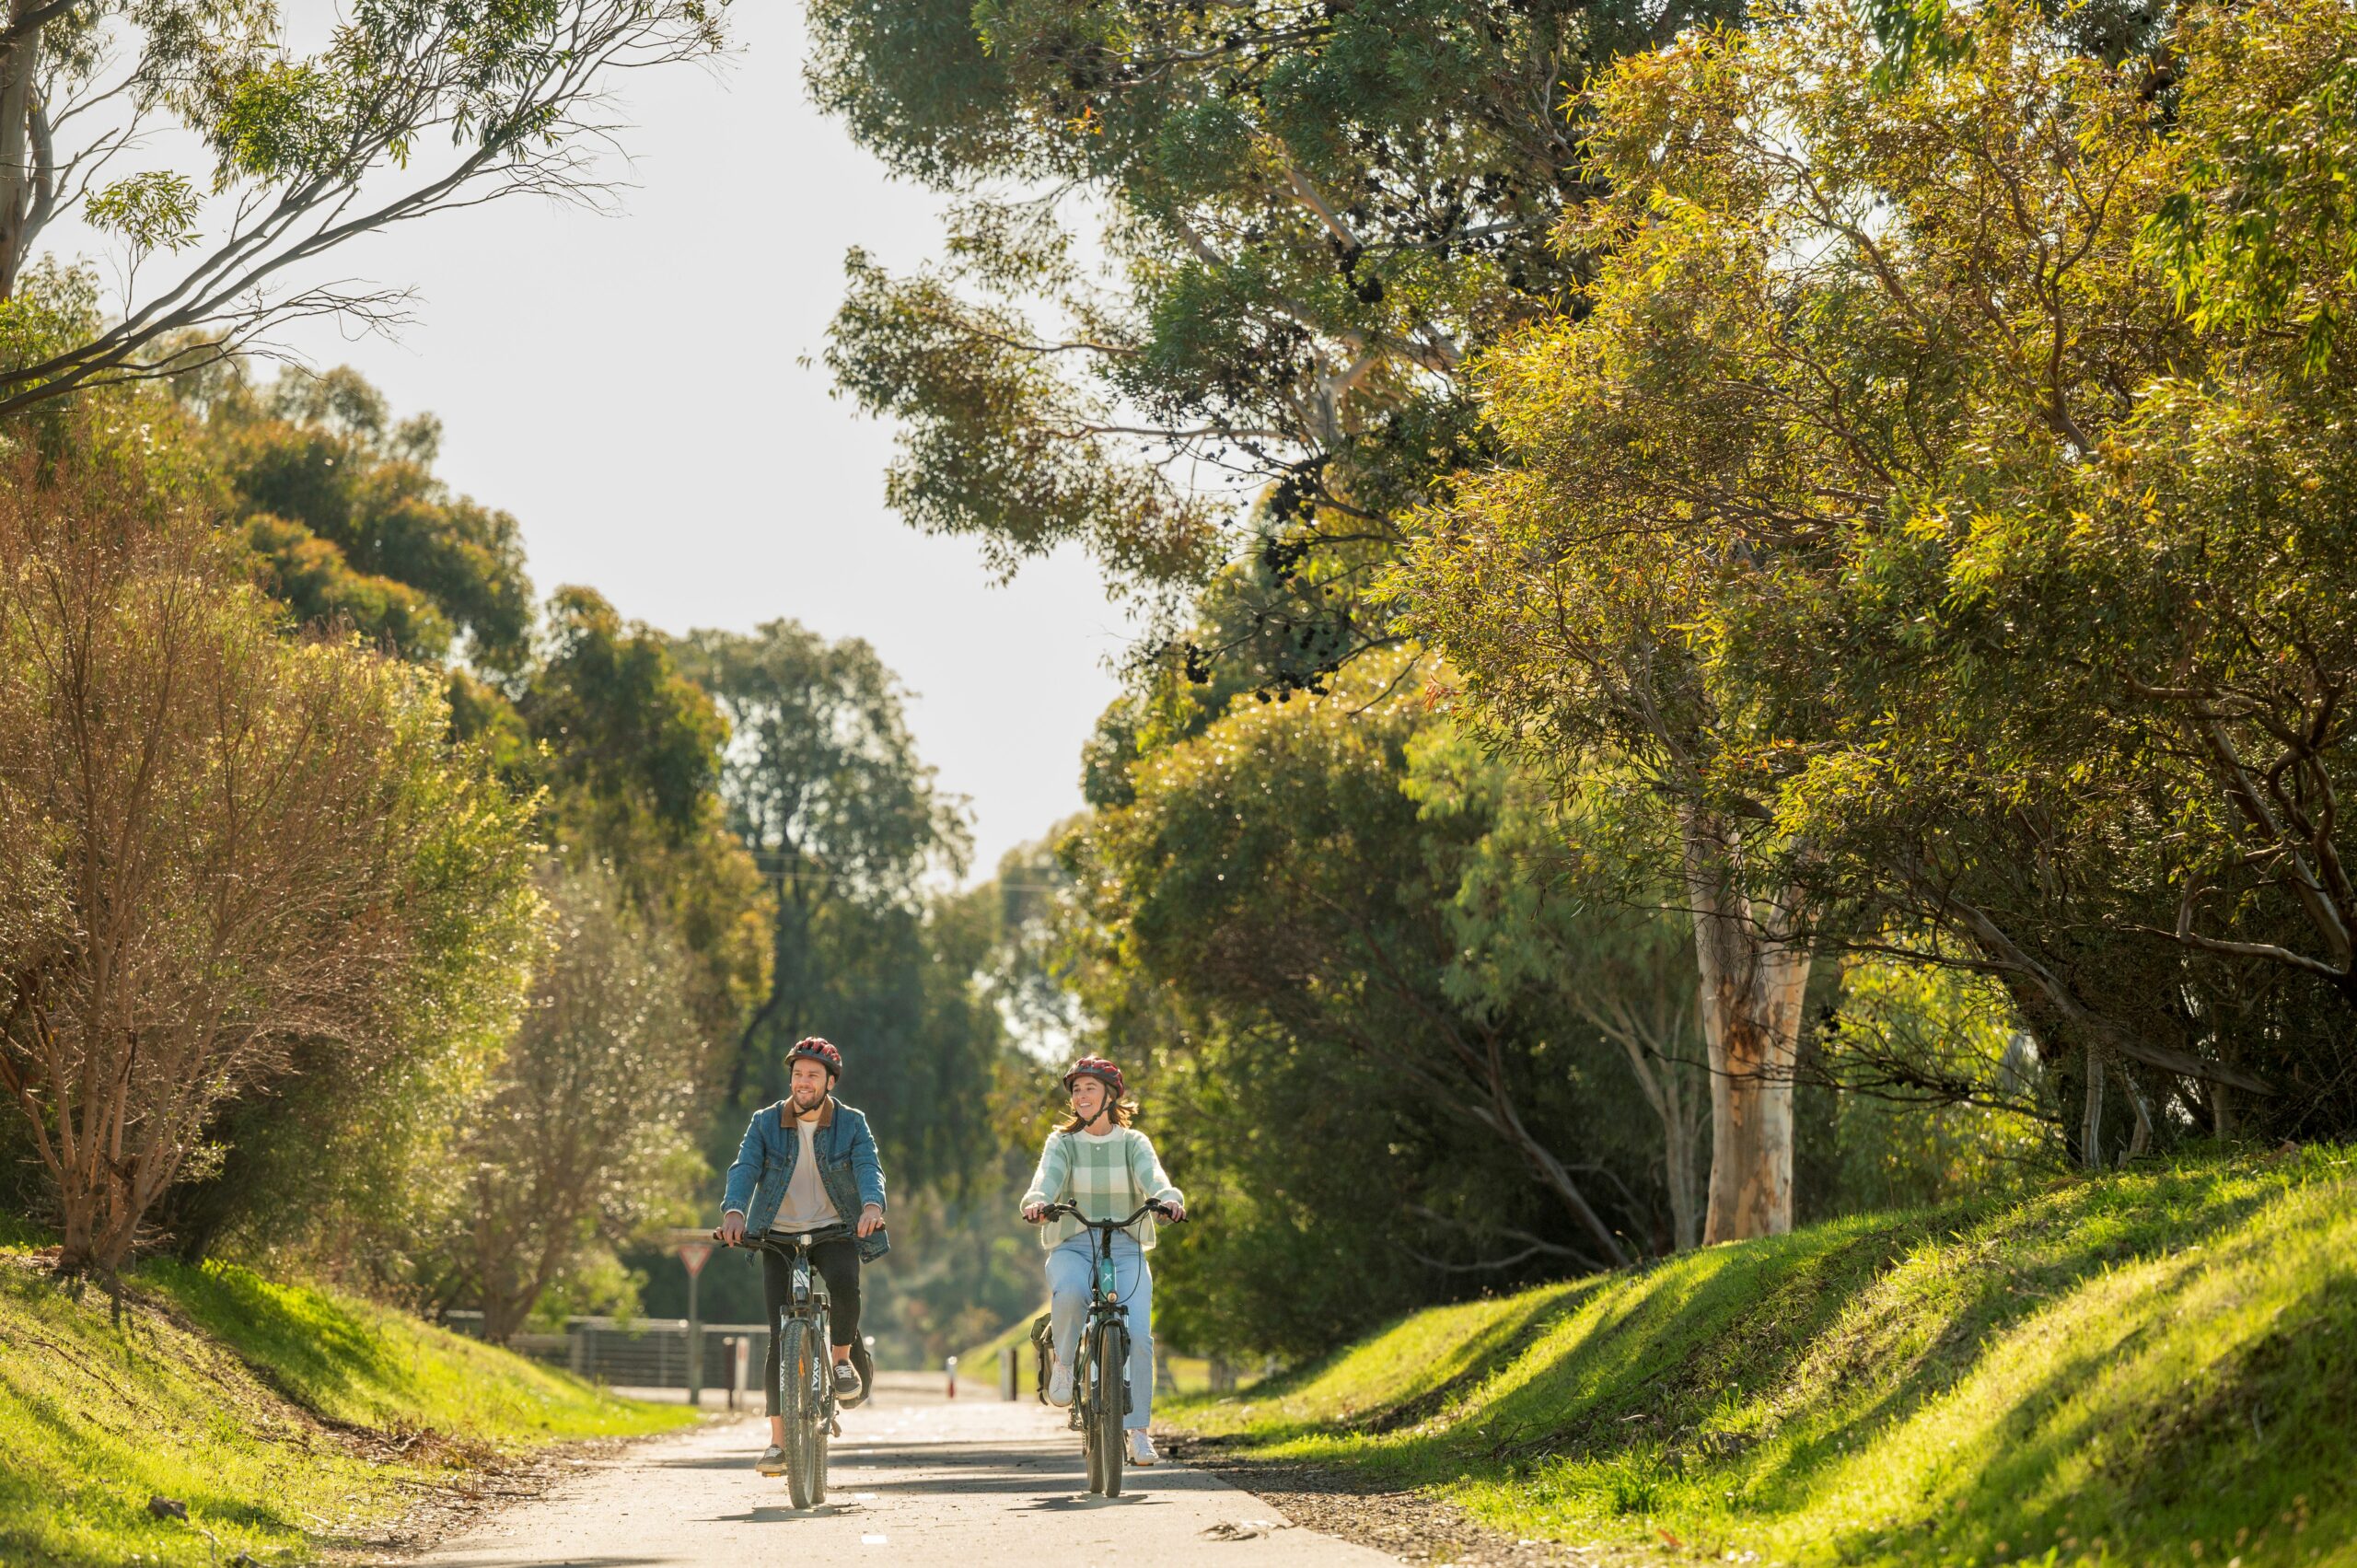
point(1108, 1169)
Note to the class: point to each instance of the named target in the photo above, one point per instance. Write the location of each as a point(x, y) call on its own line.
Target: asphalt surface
point(977, 1483)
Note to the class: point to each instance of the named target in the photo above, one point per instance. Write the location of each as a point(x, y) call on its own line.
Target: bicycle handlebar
point(765, 1242)
point(1056, 1211)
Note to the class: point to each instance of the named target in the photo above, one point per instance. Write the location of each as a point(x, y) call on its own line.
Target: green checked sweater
point(1108, 1174)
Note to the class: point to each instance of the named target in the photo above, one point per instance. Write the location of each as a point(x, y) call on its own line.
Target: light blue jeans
point(1071, 1267)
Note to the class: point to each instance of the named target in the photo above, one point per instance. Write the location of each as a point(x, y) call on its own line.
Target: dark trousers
point(838, 1263)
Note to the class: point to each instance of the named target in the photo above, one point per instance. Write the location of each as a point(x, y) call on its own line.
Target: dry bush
point(215, 843)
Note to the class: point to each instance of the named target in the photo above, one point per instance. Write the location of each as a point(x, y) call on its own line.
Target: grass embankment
point(979, 1365)
point(2151, 1369)
point(283, 1417)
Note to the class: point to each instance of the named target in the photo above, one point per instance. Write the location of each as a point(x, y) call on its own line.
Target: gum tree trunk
point(27, 180)
point(1753, 976)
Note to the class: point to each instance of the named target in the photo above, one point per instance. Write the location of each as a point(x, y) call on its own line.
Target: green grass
point(980, 1364)
point(285, 1418)
point(977, 1368)
point(2158, 1368)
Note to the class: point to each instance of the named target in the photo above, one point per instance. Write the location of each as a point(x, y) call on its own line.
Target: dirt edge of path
point(447, 1509)
point(1410, 1525)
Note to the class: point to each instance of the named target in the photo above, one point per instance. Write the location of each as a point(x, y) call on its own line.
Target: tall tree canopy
point(343, 506)
point(824, 785)
point(1941, 498)
point(406, 109)
point(1312, 214)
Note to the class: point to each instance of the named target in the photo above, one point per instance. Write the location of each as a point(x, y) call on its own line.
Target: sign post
point(693, 1253)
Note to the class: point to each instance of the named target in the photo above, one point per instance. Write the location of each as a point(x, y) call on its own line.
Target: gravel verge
point(1412, 1526)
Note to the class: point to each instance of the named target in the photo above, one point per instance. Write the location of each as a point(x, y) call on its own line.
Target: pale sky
point(627, 386)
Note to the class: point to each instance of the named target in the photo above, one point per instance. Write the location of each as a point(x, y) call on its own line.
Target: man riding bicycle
point(1107, 1170)
point(807, 1163)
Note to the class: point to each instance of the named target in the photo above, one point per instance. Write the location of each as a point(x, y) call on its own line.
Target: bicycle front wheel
point(1112, 1359)
point(1084, 1403)
point(822, 1408)
point(797, 1365)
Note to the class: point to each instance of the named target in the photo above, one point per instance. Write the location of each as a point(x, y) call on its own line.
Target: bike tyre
point(818, 1463)
point(797, 1399)
point(1112, 1359)
point(822, 1418)
point(1085, 1398)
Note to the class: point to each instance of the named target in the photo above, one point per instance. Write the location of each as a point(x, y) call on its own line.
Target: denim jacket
point(847, 1168)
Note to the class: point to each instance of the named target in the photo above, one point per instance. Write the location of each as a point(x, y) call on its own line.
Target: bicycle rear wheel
point(798, 1403)
point(1112, 1364)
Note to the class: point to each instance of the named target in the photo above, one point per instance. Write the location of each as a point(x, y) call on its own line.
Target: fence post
point(742, 1365)
point(577, 1351)
point(1009, 1370)
point(953, 1377)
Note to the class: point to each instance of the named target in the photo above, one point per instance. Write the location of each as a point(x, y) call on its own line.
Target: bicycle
point(1101, 1396)
point(806, 1372)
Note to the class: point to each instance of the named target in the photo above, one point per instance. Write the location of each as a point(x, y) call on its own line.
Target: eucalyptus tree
point(1941, 510)
point(406, 109)
point(1311, 215)
point(824, 785)
point(587, 1132)
point(1277, 879)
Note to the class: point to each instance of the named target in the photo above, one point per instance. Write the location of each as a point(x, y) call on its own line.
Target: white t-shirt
point(807, 1205)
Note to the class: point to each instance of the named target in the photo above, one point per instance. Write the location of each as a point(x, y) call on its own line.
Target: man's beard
point(817, 1099)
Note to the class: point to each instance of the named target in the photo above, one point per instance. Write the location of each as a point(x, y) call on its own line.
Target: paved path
point(915, 1479)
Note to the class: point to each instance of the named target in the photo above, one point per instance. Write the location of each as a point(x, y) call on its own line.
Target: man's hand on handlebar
point(871, 1220)
point(732, 1229)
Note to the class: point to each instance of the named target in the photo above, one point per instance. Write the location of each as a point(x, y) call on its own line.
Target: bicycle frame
point(815, 1408)
point(1098, 1424)
point(810, 1301)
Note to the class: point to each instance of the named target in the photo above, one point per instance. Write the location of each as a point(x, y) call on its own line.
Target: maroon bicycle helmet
point(819, 1050)
point(1096, 1067)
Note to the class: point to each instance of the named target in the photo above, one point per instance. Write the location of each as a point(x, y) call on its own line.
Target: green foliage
point(1312, 214)
point(634, 744)
point(1313, 933)
point(341, 506)
point(217, 1387)
point(629, 751)
point(1993, 644)
point(824, 786)
point(257, 855)
point(585, 1135)
point(2262, 234)
point(155, 210)
point(2144, 1368)
point(1944, 1090)
point(402, 108)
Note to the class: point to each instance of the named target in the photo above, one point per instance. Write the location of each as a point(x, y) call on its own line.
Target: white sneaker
point(1060, 1385)
point(1141, 1447)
